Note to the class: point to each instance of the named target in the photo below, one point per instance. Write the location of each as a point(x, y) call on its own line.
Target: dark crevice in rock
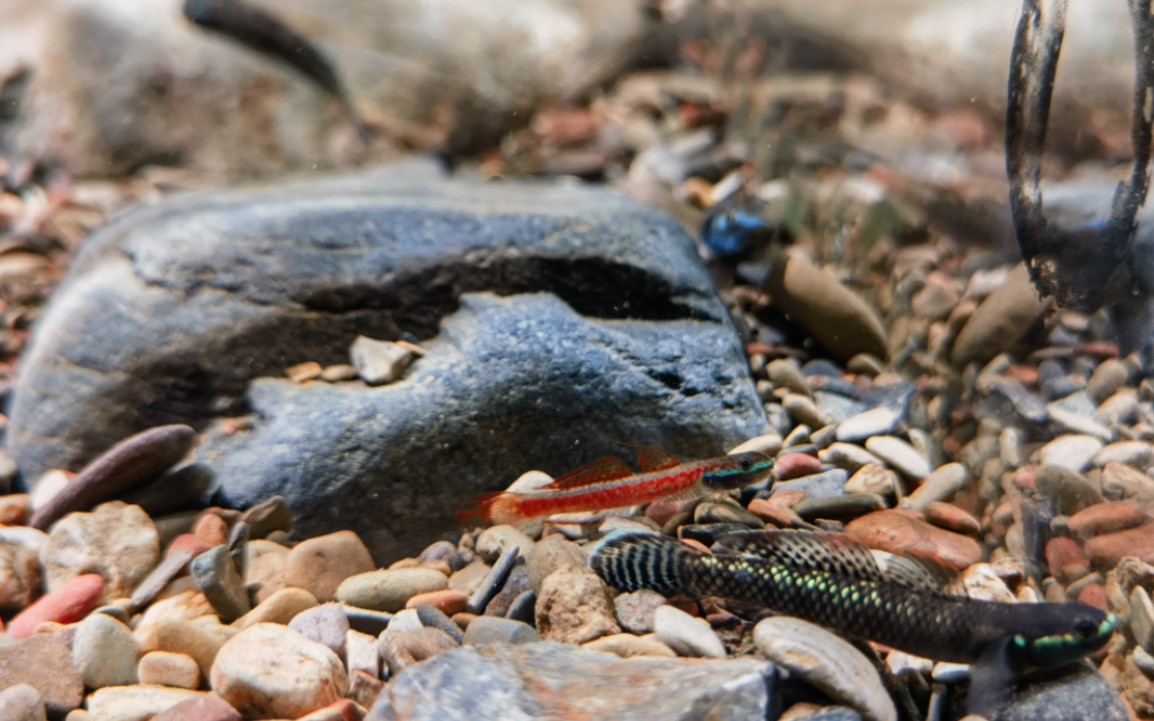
point(593, 287)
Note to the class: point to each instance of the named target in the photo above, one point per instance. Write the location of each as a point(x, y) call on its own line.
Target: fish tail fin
point(631, 560)
point(493, 508)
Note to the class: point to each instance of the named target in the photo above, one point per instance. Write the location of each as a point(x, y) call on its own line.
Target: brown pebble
point(450, 601)
point(1109, 517)
point(904, 533)
point(1108, 549)
point(187, 542)
point(210, 529)
point(320, 564)
point(463, 619)
point(1066, 559)
point(951, 518)
point(780, 516)
point(134, 460)
point(14, 509)
point(796, 465)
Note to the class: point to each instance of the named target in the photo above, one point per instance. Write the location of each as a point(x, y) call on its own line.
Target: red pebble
point(187, 542)
point(1106, 518)
point(71, 602)
point(796, 465)
point(1094, 595)
point(1066, 559)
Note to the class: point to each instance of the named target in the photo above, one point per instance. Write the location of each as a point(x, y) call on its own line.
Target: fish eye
point(1085, 627)
point(745, 464)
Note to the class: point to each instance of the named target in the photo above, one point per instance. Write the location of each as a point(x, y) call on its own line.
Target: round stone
point(104, 652)
point(390, 589)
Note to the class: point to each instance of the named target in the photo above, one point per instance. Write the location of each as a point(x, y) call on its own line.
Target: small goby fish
point(609, 484)
point(829, 580)
point(265, 34)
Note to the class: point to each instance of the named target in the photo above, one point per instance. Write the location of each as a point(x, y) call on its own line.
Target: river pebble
point(902, 533)
point(271, 671)
point(22, 702)
point(686, 635)
point(390, 589)
point(574, 606)
point(165, 668)
point(827, 662)
point(319, 565)
point(117, 541)
point(1073, 452)
point(104, 652)
point(45, 663)
point(326, 624)
point(900, 455)
point(136, 703)
point(492, 629)
point(206, 707)
point(70, 602)
point(627, 645)
point(218, 578)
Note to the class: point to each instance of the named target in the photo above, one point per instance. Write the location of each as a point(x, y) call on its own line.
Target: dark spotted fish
point(265, 34)
point(827, 579)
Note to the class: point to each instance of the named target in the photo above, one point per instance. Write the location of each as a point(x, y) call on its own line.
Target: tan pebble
point(307, 371)
point(1108, 549)
point(401, 649)
point(448, 601)
point(166, 668)
point(872, 478)
point(136, 702)
point(210, 529)
point(364, 688)
point(14, 509)
point(768, 444)
point(116, 540)
point(271, 671)
point(493, 541)
point(405, 563)
point(467, 579)
point(626, 645)
point(266, 562)
point(904, 533)
point(187, 606)
point(339, 372)
point(280, 607)
point(389, 590)
point(200, 638)
point(1106, 518)
point(952, 518)
point(463, 619)
point(208, 707)
point(319, 565)
point(439, 565)
point(343, 710)
point(780, 516)
point(19, 576)
point(1122, 481)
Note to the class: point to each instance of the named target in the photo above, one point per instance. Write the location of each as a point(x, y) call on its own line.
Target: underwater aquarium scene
point(576, 360)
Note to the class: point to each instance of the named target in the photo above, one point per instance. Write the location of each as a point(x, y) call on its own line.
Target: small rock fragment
point(165, 668)
point(379, 361)
point(218, 579)
point(45, 663)
point(574, 607)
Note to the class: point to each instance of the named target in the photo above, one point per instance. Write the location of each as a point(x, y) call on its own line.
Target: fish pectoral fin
point(651, 458)
point(991, 680)
point(609, 468)
point(808, 550)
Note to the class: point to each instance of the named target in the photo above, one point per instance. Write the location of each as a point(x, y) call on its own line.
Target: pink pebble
point(71, 602)
point(796, 465)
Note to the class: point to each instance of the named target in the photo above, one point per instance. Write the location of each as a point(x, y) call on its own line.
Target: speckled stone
point(574, 607)
point(635, 610)
point(626, 645)
point(493, 629)
point(117, 541)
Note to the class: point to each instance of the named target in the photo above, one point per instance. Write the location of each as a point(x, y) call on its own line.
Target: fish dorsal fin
point(912, 572)
point(650, 458)
point(805, 550)
point(609, 468)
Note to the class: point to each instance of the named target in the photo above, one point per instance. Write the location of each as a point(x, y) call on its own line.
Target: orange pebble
point(450, 601)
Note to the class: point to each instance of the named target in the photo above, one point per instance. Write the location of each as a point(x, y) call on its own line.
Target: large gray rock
point(110, 85)
point(557, 319)
point(1071, 693)
point(550, 680)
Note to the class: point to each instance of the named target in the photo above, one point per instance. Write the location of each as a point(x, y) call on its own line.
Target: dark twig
point(1033, 66)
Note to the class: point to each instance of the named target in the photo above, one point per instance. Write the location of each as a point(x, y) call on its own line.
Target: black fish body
point(839, 585)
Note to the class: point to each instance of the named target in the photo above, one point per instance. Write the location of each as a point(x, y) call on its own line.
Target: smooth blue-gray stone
point(433, 617)
point(494, 580)
point(827, 484)
point(1073, 693)
point(550, 313)
point(554, 681)
point(495, 629)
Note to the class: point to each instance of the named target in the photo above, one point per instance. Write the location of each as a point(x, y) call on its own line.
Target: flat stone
point(574, 606)
point(905, 534)
point(1106, 518)
point(272, 514)
point(70, 602)
point(1074, 422)
point(174, 563)
point(518, 683)
point(847, 456)
point(1071, 451)
point(137, 703)
point(901, 456)
point(390, 589)
point(1110, 375)
point(493, 629)
point(165, 668)
point(872, 478)
point(827, 662)
point(827, 484)
point(448, 601)
point(1000, 320)
point(433, 617)
point(201, 638)
point(208, 707)
point(45, 663)
point(218, 579)
point(952, 518)
point(626, 645)
point(327, 625)
point(281, 607)
point(117, 541)
point(878, 421)
point(379, 361)
point(104, 652)
point(270, 671)
point(130, 462)
point(1138, 454)
point(1110, 548)
point(608, 298)
point(686, 635)
point(22, 702)
point(1029, 405)
point(795, 465)
point(941, 485)
point(1073, 693)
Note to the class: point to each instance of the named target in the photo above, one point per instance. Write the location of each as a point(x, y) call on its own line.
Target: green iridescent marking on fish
point(838, 584)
